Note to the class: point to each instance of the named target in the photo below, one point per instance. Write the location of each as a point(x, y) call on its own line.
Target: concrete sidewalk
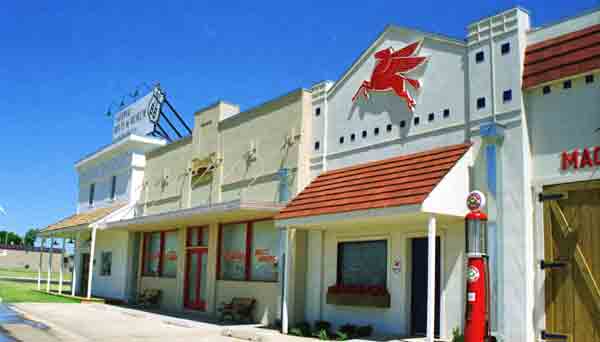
point(100, 322)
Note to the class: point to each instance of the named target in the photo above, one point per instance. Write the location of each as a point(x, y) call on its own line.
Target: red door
point(195, 279)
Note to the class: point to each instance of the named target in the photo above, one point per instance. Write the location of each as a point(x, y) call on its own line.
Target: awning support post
point(431, 237)
point(60, 268)
point(39, 280)
point(50, 253)
point(284, 261)
point(75, 265)
point(91, 268)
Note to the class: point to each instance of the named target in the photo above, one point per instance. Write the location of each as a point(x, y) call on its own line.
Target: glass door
point(195, 296)
point(195, 282)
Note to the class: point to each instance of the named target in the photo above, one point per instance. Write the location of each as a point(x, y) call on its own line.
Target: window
point(479, 57)
point(481, 103)
point(169, 255)
point(589, 79)
point(105, 263)
point(249, 251)
point(402, 123)
point(446, 113)
point(113, 188)
point(507, 95)
point(341, 140)
point(431, 117)
point(317, 145)
point(364, 134)
point(233, 252)
point(417, 120)
point(197, 237)
point(160, 254)
point(546, 90)
point(376, 131)
point(505, 48)
point(317, 111)
point(388, 128)
point(567, 84)
point(265, 247)
point(362, 263)
point(352, 137)
point(91, 198)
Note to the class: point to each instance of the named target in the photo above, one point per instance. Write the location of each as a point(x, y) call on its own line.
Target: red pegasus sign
point(389, 73)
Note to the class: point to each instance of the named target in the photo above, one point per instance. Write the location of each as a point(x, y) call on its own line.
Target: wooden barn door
point(572, 261)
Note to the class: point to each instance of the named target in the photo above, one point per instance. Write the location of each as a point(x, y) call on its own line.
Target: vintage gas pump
point(477, 327)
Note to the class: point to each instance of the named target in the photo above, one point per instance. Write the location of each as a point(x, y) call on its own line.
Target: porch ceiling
point(233, 211)
point(403, 218)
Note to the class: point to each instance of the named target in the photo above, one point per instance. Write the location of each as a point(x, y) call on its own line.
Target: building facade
point(376, 207)
point(346, 202)
point(205, 217)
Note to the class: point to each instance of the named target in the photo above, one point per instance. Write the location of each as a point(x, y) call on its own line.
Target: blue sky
point(63, 62)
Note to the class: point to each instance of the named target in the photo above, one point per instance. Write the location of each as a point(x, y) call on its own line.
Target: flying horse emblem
point(390, 73)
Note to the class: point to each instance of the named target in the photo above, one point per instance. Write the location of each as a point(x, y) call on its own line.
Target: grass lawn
point(14, 292)
point(31, 273)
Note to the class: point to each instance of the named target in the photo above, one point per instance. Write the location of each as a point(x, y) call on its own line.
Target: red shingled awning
point(398, 181)
point(567, 55)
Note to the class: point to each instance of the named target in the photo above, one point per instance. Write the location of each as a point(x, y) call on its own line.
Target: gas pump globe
point(477, 327)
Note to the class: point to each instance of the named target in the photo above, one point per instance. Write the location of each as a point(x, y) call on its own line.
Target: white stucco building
point(391, 150)
point(376, 188)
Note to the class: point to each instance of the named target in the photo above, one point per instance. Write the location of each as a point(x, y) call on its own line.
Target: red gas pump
point(477, 328)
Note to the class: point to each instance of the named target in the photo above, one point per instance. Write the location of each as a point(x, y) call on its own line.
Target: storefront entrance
point(195, 296)
point(572, 261)
point(85, 267)
point(419, 287)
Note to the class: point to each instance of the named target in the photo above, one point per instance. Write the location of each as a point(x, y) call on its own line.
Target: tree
point(10, 238)
point(30, 237)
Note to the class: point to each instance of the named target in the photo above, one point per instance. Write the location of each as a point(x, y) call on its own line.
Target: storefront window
point(106, 263)
point(169, 255)
point(151, 253)
point(265, 247)
point(160, 254)
point(248, 251)
point(233, 252)
point(362, 263)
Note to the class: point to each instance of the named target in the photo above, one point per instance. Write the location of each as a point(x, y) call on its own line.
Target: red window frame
point(248, 256)
point(146, 237)
point(188, 238)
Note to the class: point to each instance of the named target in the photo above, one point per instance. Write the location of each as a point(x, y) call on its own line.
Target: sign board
point(138, 118)
point(579, 159)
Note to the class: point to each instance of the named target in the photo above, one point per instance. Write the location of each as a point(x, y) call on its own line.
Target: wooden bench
point(149, 297)
point(239, 309)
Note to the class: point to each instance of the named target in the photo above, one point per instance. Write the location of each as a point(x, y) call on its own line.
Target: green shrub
point(322, 335)
point(322, 325)
point(364, 331)
point(341, 336)
point(303, 329)
point(457, 336)
point(296, 332)
point(349, 329)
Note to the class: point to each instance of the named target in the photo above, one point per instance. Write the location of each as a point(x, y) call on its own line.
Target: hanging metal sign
point(136, 118)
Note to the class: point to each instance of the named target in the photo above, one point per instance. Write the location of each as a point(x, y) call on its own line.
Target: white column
point(39, 282)
point(431, 278)
point(74, 274)
point(60, 267)
point(49, 279)
point(91, 268)
point(284, 261)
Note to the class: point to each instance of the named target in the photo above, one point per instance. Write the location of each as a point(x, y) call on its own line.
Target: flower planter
point(353, 297)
